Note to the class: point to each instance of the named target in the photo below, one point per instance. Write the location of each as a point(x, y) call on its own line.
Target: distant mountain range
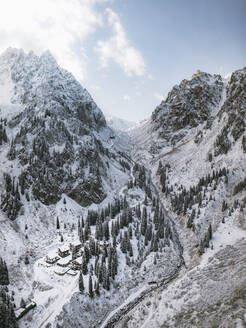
point(119, 124)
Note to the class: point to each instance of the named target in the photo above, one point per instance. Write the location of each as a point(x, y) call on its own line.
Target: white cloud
point(158, 96)
point(118, 49)
point(126, 97)
point(57, 25)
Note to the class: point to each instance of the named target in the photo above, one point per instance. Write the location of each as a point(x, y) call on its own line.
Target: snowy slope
point(60, 160)
point(201, 149)
point(164, 199)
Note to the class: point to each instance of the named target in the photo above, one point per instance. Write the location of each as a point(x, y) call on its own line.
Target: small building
point(65, 261)
point(20, 312)
point(63, 251)
point(75, 246)
point(52, 258)
point(77, 263)
point(61, 271)
point(71, 272)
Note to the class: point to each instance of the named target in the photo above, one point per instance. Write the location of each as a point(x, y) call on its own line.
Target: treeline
point(116, 226)
point(3, 134)
point(11, 201)
point(7, 315)
point(4, 275)
point(184, 200)
point(105, 266)
point(196, 194)
point(240, 186)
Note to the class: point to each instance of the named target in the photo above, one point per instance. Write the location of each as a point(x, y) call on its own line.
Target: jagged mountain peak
point(187, 105)
point(11, 54)
point(47, 55)
point(53, 128)
point(37, 82)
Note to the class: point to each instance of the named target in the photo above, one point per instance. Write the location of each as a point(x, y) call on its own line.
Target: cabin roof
point(64, 249)
point(78, 260)
point(52, 254)
point(65, 260)
point(77, 243)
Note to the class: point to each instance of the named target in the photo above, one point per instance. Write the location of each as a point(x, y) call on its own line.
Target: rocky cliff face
point(232, 114)
point(185, 205)
point(195, 145)
point(187, 105)
point(54, 134)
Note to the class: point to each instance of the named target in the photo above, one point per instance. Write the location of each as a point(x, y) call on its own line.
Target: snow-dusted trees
point(185, 199)
point(57, 223)
point(11, 203)
point(84, 265)
point(81, 282)
point(4, 276)
point(22, 303)
point(3, 134)
point(90, 289)
point(7, 315)
point(204, 242)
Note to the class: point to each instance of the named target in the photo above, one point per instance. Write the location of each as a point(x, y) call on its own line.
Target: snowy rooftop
point(77, 244)
point(65, 260)
point(60, 270)
point(52, 254)
point(64, 248)
point(78, 260)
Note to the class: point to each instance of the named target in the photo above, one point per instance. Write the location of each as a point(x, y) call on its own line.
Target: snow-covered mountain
point(66, 179)
point(194, 143)
point(55, 130)
point(119, 124)
point(157, 210)
point(189, 104)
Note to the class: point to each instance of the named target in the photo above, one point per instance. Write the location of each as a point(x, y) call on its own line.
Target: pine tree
point(7, 315)
point(87, 253)
point(22, 303)
point(90, 287)
point(144, 221)
point(57, 223)
point(81, 282)
point(26, 260)
point(84, 265)
point(4, 276)
point(97, 291)
point(74, 253)
point(106, 230)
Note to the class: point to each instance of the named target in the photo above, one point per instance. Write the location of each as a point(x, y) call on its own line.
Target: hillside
point(198, 167)
point(105, 224)
point(66, 181)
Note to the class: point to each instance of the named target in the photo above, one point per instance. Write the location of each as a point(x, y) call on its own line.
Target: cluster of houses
point(68, 257)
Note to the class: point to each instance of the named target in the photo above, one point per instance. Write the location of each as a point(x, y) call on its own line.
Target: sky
point(129, 53)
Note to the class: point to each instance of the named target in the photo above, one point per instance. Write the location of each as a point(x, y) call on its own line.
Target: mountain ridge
point(162, 200)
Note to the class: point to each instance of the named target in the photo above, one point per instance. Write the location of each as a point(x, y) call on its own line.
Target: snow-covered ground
point(210, 292)
point(210, 289)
